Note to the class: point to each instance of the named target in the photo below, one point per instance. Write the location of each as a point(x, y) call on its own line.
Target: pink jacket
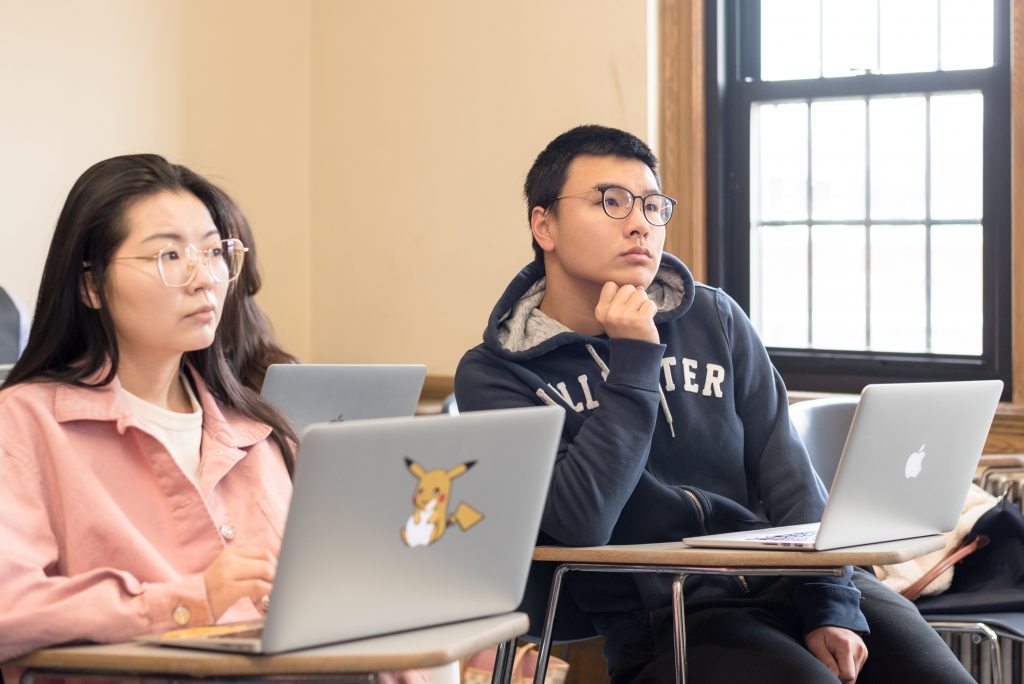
point(102, 536)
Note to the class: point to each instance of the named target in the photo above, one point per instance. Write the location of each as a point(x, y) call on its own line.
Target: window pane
point(966, 29)
point(779, 162)
point(898, 287)
point(789, 39)
point(849, 37)
point(956, 289)
point(956, 122)
point(897, 158)
point(909, 35)
point(837, 159)
point(779, 285)
point(837, 287)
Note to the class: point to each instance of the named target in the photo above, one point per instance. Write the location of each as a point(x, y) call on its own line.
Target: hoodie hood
point(518, 329)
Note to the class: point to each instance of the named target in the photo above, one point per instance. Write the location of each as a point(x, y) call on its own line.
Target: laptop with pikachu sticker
point(402, 523)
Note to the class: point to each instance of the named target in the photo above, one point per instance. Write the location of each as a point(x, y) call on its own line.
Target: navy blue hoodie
point(661, 441)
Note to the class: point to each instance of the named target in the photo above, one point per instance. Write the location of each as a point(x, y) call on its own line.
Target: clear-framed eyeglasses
point(179, 263)
point(618, 203)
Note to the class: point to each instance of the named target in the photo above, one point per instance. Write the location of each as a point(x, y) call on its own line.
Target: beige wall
point(426, 117)
point(377, 148)
point(77, 85)
point(247, 126)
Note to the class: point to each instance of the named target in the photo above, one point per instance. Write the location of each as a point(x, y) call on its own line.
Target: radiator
point(998, 475)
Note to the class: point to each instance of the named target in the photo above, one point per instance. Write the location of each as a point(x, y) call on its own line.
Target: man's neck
point(155, 379)
point(571, 302)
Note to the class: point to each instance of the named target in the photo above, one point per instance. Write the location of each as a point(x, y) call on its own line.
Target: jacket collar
point(107, 403)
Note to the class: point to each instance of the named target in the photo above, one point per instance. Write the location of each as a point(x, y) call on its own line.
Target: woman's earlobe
point(90, 297)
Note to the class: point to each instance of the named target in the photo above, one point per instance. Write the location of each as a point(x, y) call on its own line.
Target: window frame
point(727, 137)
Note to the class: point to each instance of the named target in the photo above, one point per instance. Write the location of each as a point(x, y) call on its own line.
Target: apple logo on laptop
point(913, 467)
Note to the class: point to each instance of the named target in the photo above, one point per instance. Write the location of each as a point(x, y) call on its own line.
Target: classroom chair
point(823, 425)
point(10, 329)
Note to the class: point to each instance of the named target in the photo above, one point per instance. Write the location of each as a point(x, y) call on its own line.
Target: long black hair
point(71, 342)
point(246, 333)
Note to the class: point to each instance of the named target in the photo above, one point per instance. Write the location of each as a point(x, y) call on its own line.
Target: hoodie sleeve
point(595, 473)
point(779, 469)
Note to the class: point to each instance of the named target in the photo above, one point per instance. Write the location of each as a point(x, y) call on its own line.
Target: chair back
point(10, 329)
point(823, 425)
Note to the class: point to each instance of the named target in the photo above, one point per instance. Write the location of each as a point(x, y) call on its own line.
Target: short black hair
point(546, 178)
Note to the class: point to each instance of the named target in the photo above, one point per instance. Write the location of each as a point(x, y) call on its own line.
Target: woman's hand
point(237, 573)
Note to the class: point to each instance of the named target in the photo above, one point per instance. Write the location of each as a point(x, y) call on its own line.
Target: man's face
point(590, 247)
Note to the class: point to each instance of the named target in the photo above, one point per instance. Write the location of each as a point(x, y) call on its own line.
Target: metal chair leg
point(503, 659)
point(981, 632)
point(679, 627)
point(549, 623)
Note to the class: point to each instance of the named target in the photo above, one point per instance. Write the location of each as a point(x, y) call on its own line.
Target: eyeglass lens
point(179, 263)
point(618, 203)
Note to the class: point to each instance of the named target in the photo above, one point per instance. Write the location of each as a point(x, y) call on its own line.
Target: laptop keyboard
point(805, 536)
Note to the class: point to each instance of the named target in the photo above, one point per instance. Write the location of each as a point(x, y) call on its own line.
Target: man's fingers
point(820, 651)
point(604, 301)
point(847, 666)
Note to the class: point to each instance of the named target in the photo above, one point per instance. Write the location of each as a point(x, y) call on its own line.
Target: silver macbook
point(319, 393)
point(402, 523)
point(908, 461)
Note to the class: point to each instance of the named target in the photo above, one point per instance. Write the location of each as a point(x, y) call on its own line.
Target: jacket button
point(227, 531)
point(181, 615)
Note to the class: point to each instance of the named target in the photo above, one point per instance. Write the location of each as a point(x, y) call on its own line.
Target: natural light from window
point(866, 212)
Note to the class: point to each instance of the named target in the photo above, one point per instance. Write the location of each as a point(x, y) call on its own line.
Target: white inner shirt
point(180, 433)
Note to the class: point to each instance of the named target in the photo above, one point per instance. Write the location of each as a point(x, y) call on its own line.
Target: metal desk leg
point(503, 658)
point(679, 627)
point(549, 624)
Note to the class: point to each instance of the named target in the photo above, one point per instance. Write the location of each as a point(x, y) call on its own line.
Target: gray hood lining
point(526, 326)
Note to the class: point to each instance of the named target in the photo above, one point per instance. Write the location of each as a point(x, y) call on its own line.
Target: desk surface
point(419, 648)
point(678, 553)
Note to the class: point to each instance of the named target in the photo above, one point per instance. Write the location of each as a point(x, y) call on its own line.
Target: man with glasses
point(676, 425)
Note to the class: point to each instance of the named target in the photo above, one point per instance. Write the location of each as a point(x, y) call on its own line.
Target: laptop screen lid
point(316, 393)
point(359, 558)
point(908, 460)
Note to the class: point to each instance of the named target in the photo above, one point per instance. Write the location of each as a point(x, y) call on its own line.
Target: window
point(859, 185)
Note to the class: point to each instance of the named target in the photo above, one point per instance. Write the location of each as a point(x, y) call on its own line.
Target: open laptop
point(356, 561)
point(908, 461)
point(320, 393)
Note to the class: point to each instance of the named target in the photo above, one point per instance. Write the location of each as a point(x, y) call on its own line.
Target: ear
point(88, 292)
point(414, 467)
point(540, 226)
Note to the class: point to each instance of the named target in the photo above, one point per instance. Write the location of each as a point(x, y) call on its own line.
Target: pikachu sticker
point(430, 501)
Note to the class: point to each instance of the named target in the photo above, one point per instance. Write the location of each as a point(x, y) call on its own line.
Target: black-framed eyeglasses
point(178, 264)
point(617, 203)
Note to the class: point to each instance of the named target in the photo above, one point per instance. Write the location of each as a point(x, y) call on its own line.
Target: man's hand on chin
point(626, 312)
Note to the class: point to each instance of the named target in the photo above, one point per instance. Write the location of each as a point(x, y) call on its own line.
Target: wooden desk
point(680, 560)
point(419, 648)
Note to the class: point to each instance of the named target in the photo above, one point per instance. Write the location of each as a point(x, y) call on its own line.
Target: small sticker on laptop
point(430, 500)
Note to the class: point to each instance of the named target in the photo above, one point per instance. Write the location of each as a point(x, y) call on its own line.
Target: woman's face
point(151, 319)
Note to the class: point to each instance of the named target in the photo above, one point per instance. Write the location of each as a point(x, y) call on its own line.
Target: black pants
point(759, 640)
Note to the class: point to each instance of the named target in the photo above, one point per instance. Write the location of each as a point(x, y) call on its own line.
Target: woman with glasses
point(144, 486)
